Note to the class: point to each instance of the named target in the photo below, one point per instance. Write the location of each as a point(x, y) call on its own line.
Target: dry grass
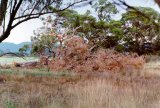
point(20, 91)
point(152, 67)
point(34, 91)
point(28, 88)
point(100, 94)
point(152, 58)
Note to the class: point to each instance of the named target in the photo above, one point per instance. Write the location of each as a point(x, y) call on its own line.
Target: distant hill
point(11, 47)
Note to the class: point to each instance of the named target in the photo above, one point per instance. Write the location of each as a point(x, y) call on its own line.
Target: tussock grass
point(100, 94)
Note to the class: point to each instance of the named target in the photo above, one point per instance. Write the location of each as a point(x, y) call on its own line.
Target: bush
point(76, 56)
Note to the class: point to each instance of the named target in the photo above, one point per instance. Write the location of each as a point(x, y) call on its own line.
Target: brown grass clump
point(76, 56)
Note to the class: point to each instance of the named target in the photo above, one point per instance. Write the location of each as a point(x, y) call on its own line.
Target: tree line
point(136, 31)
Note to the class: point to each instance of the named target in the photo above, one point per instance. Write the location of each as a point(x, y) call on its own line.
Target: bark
point(158, 2)
point(7, 32)
point(3, 8)
point(23, 18)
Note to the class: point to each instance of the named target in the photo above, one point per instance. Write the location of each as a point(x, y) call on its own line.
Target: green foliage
point(120, 48)
point(132, 32)
point(140, 29)
point(97, 31)
point(104, 10)
point(9, 104)
point(24, 49)
point(44, 39)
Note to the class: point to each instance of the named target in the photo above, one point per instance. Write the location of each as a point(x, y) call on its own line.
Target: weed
point(9, 104)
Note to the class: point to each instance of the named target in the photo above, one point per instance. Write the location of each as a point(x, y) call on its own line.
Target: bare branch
point(123, 3)
point(29, 12)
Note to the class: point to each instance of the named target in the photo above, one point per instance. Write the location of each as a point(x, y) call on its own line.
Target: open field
point(10, 60)
point(38, 88)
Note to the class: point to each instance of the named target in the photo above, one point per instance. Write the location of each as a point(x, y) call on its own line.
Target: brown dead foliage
point(76, 56)
point(44, 60)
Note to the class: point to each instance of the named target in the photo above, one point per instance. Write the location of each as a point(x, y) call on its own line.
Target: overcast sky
point(23, 32)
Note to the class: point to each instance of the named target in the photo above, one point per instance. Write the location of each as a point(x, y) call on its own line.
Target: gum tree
point(15, 12)
point(139, 30)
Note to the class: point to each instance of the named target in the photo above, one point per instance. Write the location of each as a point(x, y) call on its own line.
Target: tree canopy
point(20, 11)
point(133, 32)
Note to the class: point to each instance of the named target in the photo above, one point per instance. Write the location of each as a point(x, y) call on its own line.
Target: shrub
point(76, 56)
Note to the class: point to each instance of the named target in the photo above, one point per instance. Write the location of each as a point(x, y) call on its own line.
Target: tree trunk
point(5, 35)
point(158, 2)
point(3, 8)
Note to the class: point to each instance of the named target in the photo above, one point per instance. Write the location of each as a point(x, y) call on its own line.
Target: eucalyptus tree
point(97, 26)
point(138, 29)
point(104, 10)
point(44, 38)
point(15, 12)
point(24, 49)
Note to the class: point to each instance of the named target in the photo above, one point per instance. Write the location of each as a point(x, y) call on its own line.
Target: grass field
point(10, 60)
point(38, 88)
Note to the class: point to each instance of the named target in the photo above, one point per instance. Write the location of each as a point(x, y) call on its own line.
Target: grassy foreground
point(37, 88)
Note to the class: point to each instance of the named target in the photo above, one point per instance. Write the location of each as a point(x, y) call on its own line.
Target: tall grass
point(100, 94)
point(77, 92)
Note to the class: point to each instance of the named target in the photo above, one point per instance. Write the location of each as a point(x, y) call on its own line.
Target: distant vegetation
point(11, 47)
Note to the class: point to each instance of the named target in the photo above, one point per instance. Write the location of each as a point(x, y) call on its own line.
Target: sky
point(23, 32)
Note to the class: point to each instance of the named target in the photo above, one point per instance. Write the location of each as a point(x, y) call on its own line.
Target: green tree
point(42, 43)
point(97, 31)
point(24, 49)
point(104, 10)
point(139, 29)
point(45, 38)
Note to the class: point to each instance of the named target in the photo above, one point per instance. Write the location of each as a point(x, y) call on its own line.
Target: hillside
point(11, 47)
